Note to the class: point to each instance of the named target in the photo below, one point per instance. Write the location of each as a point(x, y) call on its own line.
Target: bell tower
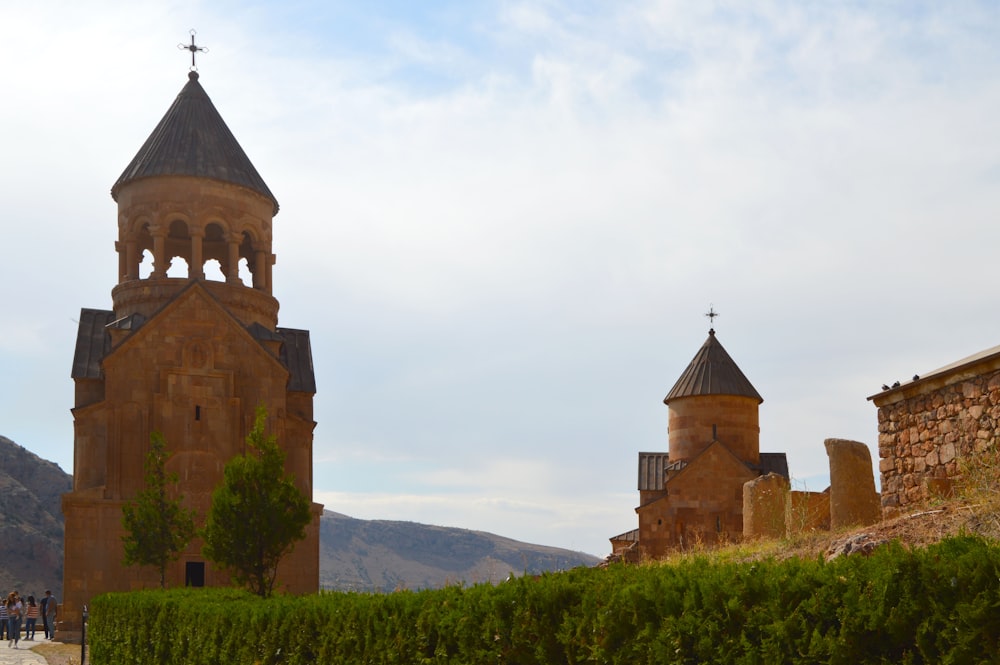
point(190, 348)
point(713, 401)
point(192, 195)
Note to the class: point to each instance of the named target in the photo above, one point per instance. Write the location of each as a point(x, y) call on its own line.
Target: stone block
point(853, 500)
point(807, 511)
point(947, 453)
point(939, 487)
point(764, 500)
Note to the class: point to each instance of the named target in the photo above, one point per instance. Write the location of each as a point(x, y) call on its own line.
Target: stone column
point(160, 262)
point(853, 500)
point(259, 270)
point(197, 267)
point(233, 258)
point(764, 500)
point(269, 273)
point(122, 250)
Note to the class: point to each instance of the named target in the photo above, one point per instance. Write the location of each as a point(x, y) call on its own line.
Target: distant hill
point(31, 524)
point(355, 555)
point(381, 555)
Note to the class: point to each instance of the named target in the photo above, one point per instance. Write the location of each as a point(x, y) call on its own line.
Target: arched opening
point(178, 267)
point(178, 245)
point(214, 252)
point(246, 265)
point(245, 275)
point(213, 271)
point(146, 264)
point(142, 258)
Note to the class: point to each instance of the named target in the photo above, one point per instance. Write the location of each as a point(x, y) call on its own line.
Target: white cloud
point(502, 228)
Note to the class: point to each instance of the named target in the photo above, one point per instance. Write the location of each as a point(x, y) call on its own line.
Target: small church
point(190, 347)
point(693, 494)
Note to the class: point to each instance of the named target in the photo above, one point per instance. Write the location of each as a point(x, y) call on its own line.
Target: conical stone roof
point(712, 372)
point(192, 139)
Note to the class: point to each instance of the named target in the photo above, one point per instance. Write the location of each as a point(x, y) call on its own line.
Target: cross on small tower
point(711, 314)
point(193, 48)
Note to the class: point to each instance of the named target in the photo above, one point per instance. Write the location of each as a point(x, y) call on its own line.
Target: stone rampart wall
point(922, 437)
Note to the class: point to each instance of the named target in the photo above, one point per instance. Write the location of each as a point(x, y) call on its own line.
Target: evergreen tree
point(257, 514)
point(157, 528)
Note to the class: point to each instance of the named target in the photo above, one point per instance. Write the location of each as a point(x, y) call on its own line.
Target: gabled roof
point(92, 343)
point(694, 462)
point(712, 372)
point(192, 139)
point(296, 356)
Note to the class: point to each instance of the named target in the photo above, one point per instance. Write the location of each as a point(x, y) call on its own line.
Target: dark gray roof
point(296, 355)
point(192, 139)
point(652, 470)
point(774, 463)
point(92, 343)
point(712, 372)
point(629, 536)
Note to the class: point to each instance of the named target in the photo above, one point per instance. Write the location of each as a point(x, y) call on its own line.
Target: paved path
point(22, 655)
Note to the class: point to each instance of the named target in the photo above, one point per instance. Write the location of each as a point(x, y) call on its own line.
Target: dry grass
point(57, 653)
point(966, 513)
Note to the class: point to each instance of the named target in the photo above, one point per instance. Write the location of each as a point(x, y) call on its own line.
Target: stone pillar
point(160, 261)
point(259, 270)
point(197, 267)
point(122, 263)
point(764, 500)
point(853, 500)
point(232, 264)
point(271, 260)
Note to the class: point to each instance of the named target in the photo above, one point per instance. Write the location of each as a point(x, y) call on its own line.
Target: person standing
point(45, 619)
point(51, 609)
point(30, 619)
point(3, 617)
point(14, 609)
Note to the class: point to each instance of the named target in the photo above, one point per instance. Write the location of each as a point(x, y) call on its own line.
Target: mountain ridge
point(419, 556)
point(355, 554)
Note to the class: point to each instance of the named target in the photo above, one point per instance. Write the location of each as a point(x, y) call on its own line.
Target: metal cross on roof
point(711, 314)
point(193, 48)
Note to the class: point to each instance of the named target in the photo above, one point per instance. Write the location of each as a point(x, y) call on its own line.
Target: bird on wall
point(885, 387)
point(916, 377)
point(896, 384)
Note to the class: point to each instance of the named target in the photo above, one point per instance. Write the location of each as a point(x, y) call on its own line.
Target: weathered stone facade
point(186, 356)
point(853, 499)
point(765, 501)
point(693, 494)
point(927, 425)
point(808, 511)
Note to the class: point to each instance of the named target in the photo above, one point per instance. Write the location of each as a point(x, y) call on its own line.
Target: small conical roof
point(192, 139)
point(712, 372)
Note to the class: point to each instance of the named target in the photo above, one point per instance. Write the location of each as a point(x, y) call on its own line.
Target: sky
point(503, 223)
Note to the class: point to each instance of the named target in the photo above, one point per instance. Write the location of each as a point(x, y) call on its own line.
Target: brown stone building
point(188, 356)
point(928, 425)
point(694, 493)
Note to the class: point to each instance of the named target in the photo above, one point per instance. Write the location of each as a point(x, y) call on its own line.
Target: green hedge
point(935, 605)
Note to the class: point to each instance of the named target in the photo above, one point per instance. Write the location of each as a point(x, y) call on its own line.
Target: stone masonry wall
point(923, 437)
